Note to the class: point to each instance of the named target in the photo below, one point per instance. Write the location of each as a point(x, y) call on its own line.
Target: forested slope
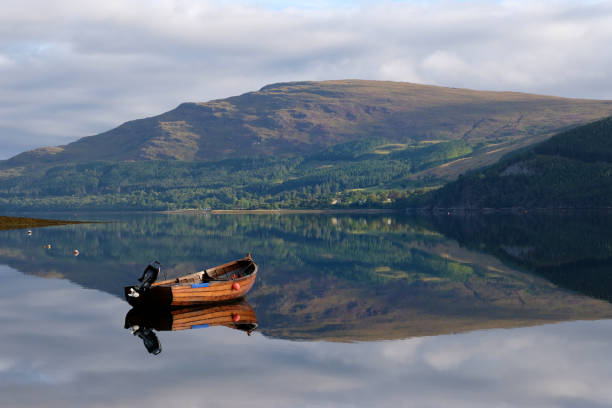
point(571, 170)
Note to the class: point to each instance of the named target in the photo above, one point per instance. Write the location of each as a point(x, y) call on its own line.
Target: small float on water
point(221, 283)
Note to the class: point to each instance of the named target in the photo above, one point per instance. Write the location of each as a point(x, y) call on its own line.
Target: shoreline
point(285, 211)
point(408, 211)
point(17, 221)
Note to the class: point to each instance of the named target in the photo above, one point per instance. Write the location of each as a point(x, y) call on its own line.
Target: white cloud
point(443, 64)
point(5, 62)
point(74, 68)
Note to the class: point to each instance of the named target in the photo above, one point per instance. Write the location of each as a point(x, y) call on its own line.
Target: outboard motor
point(149, 275)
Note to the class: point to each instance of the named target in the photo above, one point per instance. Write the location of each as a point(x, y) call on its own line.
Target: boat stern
point(158, 296)
point(132, 296)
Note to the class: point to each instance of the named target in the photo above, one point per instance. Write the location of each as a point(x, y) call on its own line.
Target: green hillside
point(571, 170)
point(291, 145)
point(315, 181)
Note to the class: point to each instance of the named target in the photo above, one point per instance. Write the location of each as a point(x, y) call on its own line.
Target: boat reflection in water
point(143, 322)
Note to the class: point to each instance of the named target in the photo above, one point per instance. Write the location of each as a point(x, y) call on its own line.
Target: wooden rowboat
point(221, 283)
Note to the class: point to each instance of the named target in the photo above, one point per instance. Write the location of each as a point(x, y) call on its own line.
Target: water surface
point(373, 310)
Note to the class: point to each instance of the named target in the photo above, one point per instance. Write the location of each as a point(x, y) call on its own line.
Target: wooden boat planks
point(204, 297)
point(186, 284)
point(223, 269)
point(191, 290)
point(201, 288)
point(179, 294)
point(184, 297)
point(202, 300)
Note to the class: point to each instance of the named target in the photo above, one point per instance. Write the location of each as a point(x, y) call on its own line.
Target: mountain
point(303, 117)
point(290, 145)
point(570, 170)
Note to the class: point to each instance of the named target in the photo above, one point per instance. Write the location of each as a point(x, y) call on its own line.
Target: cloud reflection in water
point(66, 346)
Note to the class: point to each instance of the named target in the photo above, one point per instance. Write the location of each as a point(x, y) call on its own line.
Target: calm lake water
point(352, 310)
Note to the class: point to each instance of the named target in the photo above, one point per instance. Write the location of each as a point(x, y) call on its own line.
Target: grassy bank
point(7, 223)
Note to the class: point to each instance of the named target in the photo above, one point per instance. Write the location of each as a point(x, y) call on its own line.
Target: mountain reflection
point(350, 278)
point(144, 321)
point(571, 249)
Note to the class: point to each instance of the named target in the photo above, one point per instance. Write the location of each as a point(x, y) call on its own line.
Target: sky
point(74, 68)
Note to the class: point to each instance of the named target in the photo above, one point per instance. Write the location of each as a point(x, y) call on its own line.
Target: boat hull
point(213, 292)
point(193, 291)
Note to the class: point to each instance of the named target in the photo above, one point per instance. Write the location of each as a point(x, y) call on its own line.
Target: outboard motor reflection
point(149, 338)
